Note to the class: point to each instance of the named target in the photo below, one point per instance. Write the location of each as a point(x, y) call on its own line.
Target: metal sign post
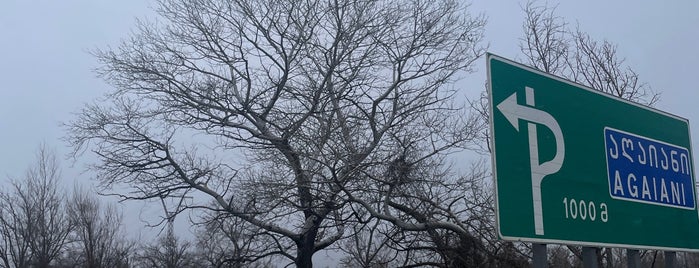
point(539, 256)
point(633, 258)
point(589, 257)
point(670, 259)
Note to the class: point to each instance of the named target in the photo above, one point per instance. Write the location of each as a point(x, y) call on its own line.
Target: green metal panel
point(549, 132)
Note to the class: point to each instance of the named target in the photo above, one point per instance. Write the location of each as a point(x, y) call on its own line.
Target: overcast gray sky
point(46, 70)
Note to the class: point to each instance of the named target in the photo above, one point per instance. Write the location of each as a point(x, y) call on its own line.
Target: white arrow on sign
point(513, 112)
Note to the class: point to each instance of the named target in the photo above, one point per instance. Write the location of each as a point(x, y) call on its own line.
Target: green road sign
point(576, 166)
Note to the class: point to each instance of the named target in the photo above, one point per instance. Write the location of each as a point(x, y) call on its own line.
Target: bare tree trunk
point(304, 258)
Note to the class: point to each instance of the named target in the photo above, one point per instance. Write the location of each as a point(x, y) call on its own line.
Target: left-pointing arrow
point(513, 112)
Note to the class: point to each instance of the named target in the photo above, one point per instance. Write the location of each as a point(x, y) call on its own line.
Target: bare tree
point(312, 99)
point(549, 45)
point(598, 65)
point(545, 42)
point(15, 231)
point(370, 245)
point(49, 224)
point(34, 226)
point(168, 252)
point(229, 242)
point(97, 238)
point(467, 201)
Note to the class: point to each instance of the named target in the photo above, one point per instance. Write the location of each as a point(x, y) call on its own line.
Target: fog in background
point(46, 70)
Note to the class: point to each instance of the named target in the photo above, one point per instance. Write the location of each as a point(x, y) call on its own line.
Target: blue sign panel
point(648, 171)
